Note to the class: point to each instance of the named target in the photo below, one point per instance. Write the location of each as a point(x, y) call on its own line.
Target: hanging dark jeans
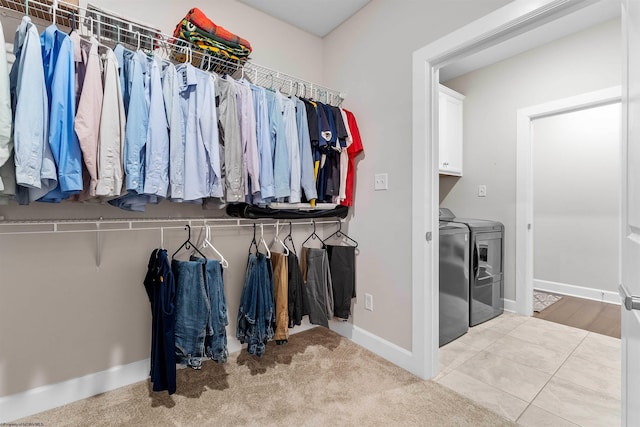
point(342, 263)
point(256, 314)
point(296, 309)
point(160, 286)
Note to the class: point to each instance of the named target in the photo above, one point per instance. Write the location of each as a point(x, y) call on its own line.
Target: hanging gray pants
point(318, 291)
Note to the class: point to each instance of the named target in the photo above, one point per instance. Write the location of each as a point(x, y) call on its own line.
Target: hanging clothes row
point(279, 290)
point(131, 129)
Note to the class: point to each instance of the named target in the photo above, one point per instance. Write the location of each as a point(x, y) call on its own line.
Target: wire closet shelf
point(110, 29)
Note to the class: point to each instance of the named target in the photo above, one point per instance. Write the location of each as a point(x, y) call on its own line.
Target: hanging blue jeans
point(256, 314)
point(160, 286)
point(192, 312)
point(215, 342)
point(201, 307)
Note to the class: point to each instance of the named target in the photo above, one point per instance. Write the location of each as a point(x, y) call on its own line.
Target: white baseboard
point(577, 291)
point(51, 396)
point(509, 305)
point(387, 350)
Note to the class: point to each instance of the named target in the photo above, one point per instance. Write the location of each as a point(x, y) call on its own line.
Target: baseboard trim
point(53, 395)
point(387, 350)
point(577, 291)
point(509, 305)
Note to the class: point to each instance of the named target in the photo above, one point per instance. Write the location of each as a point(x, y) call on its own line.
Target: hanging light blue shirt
point(133, 67)
point(202, 168)
point(35, 169)
point(156, 179)
point(279, 149)
point(133, 76)
point(260, 106)
point(59, 76)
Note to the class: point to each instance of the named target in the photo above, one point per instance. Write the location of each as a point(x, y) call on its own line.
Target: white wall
point(275, 43)
point(370, 58)
point(580, 63)
point(576, 199)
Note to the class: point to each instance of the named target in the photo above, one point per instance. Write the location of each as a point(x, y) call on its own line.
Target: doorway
point(555, 194)
point(576, 218)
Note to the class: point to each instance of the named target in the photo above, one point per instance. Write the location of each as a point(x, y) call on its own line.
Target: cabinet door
point(450, 123)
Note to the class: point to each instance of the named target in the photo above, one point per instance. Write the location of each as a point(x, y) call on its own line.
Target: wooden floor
point(594, 316)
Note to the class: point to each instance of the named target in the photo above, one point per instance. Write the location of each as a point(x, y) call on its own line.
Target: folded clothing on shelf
point(211, 39)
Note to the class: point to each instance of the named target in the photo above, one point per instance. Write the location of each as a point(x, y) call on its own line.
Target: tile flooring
point(536, 372)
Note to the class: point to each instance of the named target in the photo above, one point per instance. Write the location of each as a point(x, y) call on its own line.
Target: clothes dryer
point(486, 266)
point(454, 281)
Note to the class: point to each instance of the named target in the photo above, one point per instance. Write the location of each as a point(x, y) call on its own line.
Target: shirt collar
point(186, 76)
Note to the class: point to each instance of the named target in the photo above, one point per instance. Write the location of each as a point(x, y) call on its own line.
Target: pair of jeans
point(256, 314)
point(160, 286)
point(215, 342)
point(318, 292)
point(201, 315)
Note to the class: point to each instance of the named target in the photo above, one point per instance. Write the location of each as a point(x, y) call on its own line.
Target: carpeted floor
point(319, 378)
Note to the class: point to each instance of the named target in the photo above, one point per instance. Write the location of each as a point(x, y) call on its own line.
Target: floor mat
point(542, 300)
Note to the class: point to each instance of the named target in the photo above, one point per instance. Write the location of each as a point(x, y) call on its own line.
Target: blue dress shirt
point(59, 76)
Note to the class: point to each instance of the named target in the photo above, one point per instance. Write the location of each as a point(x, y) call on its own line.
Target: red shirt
point(353, 150)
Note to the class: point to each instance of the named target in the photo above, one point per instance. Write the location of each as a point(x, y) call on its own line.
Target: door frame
point(524, 181)
point(510, 20)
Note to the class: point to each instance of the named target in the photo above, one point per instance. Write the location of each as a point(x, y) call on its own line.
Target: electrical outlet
point(381, 182)
point(368, 302)
point(482, 191)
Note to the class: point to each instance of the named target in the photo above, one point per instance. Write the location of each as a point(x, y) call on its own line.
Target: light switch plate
point(381, 182)
point(482, 191)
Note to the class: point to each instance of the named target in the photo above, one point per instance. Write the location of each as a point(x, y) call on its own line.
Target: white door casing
point(524, 182)
point(630, 224)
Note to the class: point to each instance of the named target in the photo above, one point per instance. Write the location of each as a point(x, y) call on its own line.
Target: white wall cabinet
point(450, 128)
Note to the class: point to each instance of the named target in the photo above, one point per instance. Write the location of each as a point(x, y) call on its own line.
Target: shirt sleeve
point(251, 155)
point(61, 133)
point(156, 181)
point(6, 145)
point(208, 122)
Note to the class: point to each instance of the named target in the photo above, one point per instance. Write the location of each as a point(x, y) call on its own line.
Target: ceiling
point(582, 19)
point(318, 17)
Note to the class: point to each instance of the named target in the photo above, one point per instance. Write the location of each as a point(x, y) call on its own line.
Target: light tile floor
point(536, 372)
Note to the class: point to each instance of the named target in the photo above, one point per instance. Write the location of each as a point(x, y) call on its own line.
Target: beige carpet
point(319, 378)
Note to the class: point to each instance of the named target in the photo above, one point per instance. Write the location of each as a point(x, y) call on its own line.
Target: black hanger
point(188, 243)
point(339, 233)
point(289, 238)
point(254, 243)
point(314, 236)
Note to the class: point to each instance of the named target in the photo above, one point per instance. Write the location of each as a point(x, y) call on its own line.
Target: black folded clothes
point(244, 210)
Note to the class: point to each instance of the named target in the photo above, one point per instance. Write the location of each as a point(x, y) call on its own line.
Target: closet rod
point(147, 224)
point(108, 26)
